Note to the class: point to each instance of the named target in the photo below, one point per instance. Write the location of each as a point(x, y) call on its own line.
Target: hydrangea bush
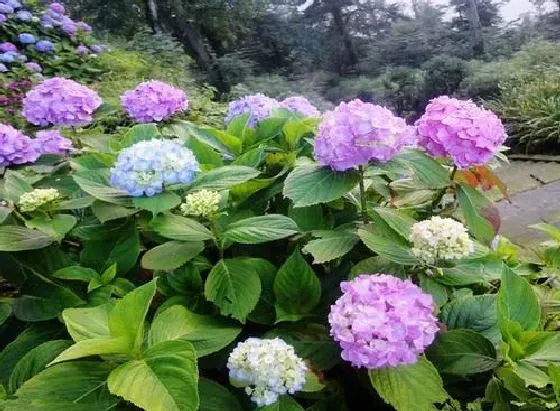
point(286, 261)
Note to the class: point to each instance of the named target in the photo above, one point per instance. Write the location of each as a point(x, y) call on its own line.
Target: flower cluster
point(440, 239)
point(60, 102)
point(15, 148)
point(12, 93)
point(153, 101)
point(51, 142)
point(469, 134)
point(55, 16)
point(203, 203)
point(258, 107)
point(382, 321)
point(145, 167)
point(270, 368)
point(300, 105)
point(355, 133)
point(37, 198)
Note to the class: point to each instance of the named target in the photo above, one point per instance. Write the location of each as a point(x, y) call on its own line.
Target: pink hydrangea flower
point(51, 142)
point(382, 321)
point(60, 102)
point(15, 147)
point(258, 106)
point(154, 101)
point(355, 133)
point(299, 104)
point(469, 134)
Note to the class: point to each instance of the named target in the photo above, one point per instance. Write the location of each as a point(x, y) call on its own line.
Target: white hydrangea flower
point(203, 203)
point(440, 239)
point(33, 200)
point(269, 368)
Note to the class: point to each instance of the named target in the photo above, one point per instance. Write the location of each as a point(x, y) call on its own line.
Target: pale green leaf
point(180, 228)
point(256, 230)
point(56, 227)
point(159, 203)
point(332, 245)
point(13, 238)
point(171, 255)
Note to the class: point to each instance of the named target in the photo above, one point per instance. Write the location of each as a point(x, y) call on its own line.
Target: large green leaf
point(517, 302)
point(547, 353)
point(297, 289)
point(331, 245)
point(426, 169)
point(15, 185)
point(107, 211)
point(207, 333)
point(164, 378)
point(171, 255)
point(88, 322)
point(310, 184)
point(554, 373)
point(127, 317)
point(410, 387)
point(224, 177)
point(76, 272)
point(57, 226)
point(234, 286)
point(397, 220)
point(387, 248)
point(138, 133)
point(462, 352)
point(158, 203)
point(478, 313)
point(471, 202)
point(180, 228)
point(284, 403)
point(264, 312)
point(14, 238)
point(215, 397)
point(95, 346)
point(476, 271)
point(261, 229)
point(102, 192)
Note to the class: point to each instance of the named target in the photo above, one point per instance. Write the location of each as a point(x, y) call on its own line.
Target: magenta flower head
point(257, 106)
point(382, 321)
point(355, 133)
point(300, 105)
point(60, 102)
point(15, 148)
point(469, 134)
point(153, 101)
point(51, 142)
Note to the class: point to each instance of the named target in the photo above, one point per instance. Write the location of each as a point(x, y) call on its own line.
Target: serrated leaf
point(471, 203)
point(76, 273)
point(102, 192)
point(256, 230)
point(180, 228)
point(158, 203)
point(88, 322)
point(107, 211)
point(397, 220)
point(138, 133)
point(223, 178)
point(330, 246)
point(387, 248)
point(171, 255)
point(13, 238)
point(57, 226)
point(94, 346)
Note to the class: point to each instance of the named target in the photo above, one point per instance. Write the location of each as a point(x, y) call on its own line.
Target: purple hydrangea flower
point(3, 68)
point(50, 19)
point(15, 148)
point(60, 102)
point(51, 142)
point(7, 46)
point(26, 38)
point(82, 49)
point(57, 8)
point(299, 104)
point(35, 67)
point(3, 18)
point(44, 46)
point(8, 57)
point(469, 134)
point(15, 4)
point(355, 133)
point(69, 26)
point(98, 48)
point(257, 106)
point(83, 26)
point(6, 9)
point(24, 15)
point(382, 321)
point(153, 101)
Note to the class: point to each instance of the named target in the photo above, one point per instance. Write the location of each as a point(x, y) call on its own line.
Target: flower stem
point(363, 199)
point(453, 172)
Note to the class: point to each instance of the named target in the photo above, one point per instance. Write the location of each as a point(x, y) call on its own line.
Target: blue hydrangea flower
point(3, 68)
point(6, 9)
point(3, 18)
point(26, 38)
point(145, 167)
point(24, 15)
point(15, 4)
point(7, 57)
point(44, 46)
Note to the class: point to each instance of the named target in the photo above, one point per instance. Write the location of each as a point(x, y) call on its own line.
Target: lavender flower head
point(6, 9)
point(144, 168)
point(299, 104)
point(3, 18)
point(26, 38)
point(44, 46)
point(98, 48)
point(82, 49)
point(469, 134)
point(15, 148)
point(35, 67)
point(57, 8)
point(8, 57)
point(83, 26)
point(153, 101)
point(382, 321)
point(51, 142)
point(60, 102)
point(257, 106)
point(7, 46)
point(69, 26)
point(24, 15)
point(3, 68)
point(15, 4)
point(355, 133)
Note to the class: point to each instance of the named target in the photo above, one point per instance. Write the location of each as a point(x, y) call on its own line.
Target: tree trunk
point(350, 54)
point(152, 15)
point(476, 28)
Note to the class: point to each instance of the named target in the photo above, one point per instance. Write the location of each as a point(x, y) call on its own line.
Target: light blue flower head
point(145, 167)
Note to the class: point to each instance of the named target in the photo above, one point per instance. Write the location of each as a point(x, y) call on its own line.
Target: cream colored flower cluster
point(440, 239)
point(203, 203)
point(37, 198)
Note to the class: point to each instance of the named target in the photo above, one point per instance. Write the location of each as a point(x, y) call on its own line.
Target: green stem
point(363, 199)
point(452, 177)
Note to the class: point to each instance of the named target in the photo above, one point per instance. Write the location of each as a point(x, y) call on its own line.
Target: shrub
point(443, 75)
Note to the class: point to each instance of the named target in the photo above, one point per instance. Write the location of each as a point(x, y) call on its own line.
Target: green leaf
point(4, 213)
point(15, 185)
point(310, 184)
point(552, 231)
point(435, 289)
point(223, 178)
point(470, 202)
point(478, 313)
point(14, 238)
point(158, 203)
point(532, 376)
point(284, 403)
point(410, 387)
point(107, 211)
point(187, 130)
point(88, 322)
point(397, 220)
point(517, 302)
point(332, 244)
point(234, 286)
point(94, 346)
point(264, 312)
point(138, 133)
point(102, 192)
point(312, 382)
point(76, 272)
point(256, 230)
point(206, 333)
point(76, 203)
point(269, 128)
point(426, 169)
point(252, 158)
point(165, 378)
point(462, 352)
point(127, 317)
point(215, 397)
point(548, 353)
point(554, 373)
point(476, 271)
point(297, 289)
point(310, 218)
point(171, 255)
point(180, 228)
point(387, 248)
point(294, 130)
point(56, 227)
point(5, 312)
